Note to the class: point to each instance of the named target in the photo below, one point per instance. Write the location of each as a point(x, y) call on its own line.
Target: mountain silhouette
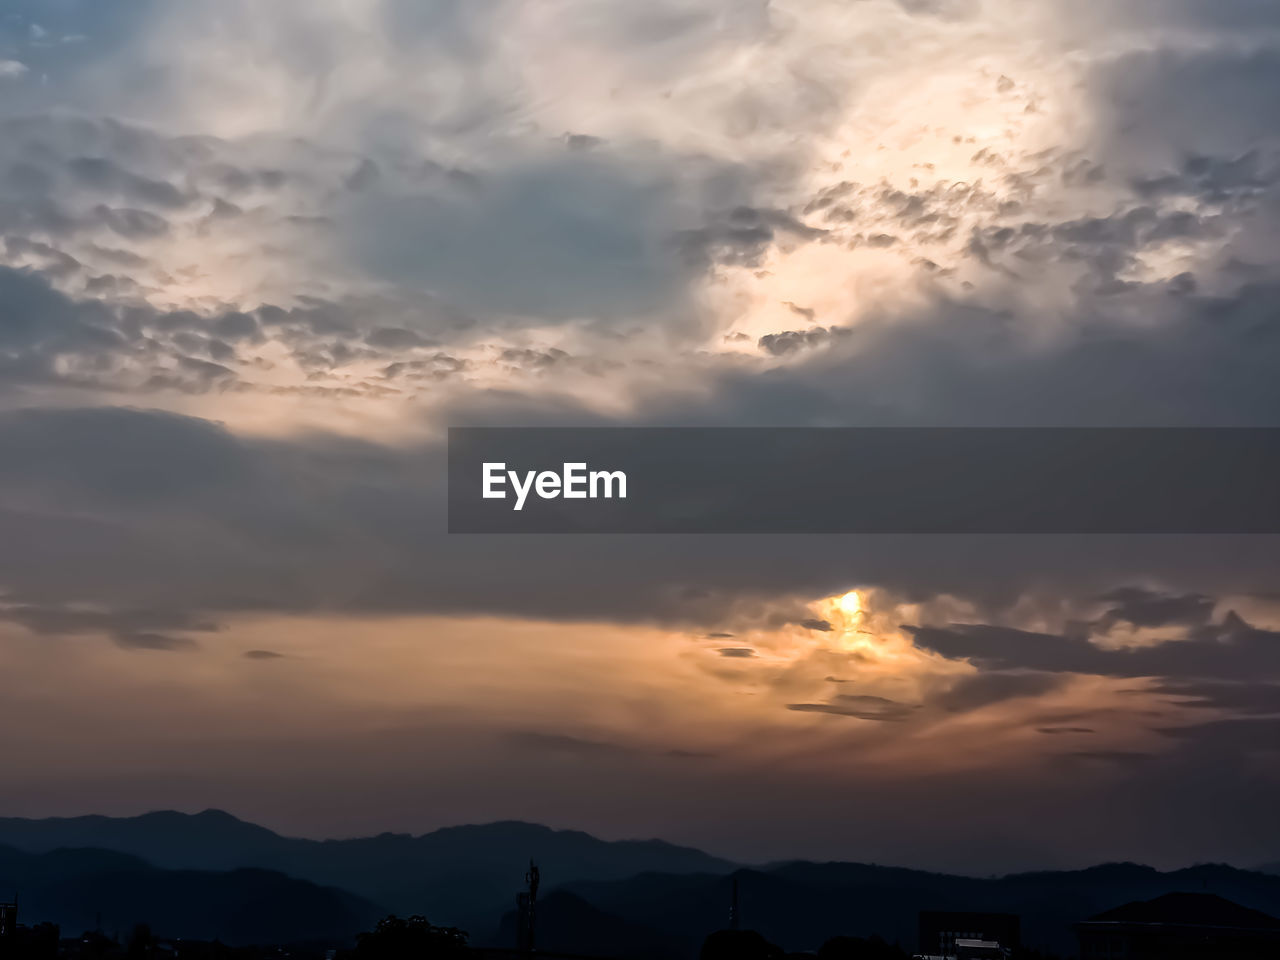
point(465, 876)
point(610, 899)
point(78, 888)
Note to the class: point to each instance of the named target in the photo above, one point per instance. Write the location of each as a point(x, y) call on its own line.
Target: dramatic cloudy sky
point(255, 257)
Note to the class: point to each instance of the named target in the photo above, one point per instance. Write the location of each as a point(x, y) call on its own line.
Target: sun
point(850, 604)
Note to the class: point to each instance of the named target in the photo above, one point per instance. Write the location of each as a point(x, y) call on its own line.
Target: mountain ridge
point(651, 891)
point(467, 874)
point(86, 888)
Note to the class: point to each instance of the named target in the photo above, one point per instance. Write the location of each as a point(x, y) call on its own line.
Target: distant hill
point(1202, 909)
point(76, 888)
point(800, 905)
point(466, 876)
point(643, 897)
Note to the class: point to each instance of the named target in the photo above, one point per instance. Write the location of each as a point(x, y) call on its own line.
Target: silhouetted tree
point(856, 948)
point(1026, 953)
point(411, 939)
point(141, 943)
point(739, 945)
point(32, 943)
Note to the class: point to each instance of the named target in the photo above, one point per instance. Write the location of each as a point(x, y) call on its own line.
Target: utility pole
point(527, 907)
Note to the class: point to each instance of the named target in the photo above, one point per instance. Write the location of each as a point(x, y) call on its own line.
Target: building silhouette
point(954, 933)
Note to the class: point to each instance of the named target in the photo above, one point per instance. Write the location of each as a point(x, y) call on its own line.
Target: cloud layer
point(254, 258)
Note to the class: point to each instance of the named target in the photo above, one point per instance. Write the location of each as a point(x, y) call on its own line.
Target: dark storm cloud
point(741, 237)
point(739, 653)
point(1210, 359)
point(262, 655)
point(534, 359)
point(577, 234)
point(69, 175)
point(84, 205)
point(107, 176)
point(438, 366)
point(789, 341)
point(1241, 697)
point(129, 629)
point(32, 314)
point(39, 326)
point(70, 620)
point(1166, 105)
point(52, 338)
point(298, 524)
point(1230, 650)
point(1150, 608)
point(1108, 247)
point(114, 456)
point(964, 695)
point(1216, 180)
point(963, 364)
point(984, 689)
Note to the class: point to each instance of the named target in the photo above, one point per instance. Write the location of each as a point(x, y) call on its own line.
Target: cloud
point(1065, 730)
point(69, 620)
point(233, 328)
point(984, 689)
point(153, 641)
point(859, 707)
point(1229, 650)
point(1149, 608)
point(963, 695)
point(741, 237)
point(291, 524)
point(790, 341)
point(565, 237)
point(107, 176)
point(813, 623)
point(1239, 697)
point(129, 629)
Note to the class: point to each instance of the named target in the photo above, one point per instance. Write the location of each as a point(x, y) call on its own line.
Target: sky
point(256, 258)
